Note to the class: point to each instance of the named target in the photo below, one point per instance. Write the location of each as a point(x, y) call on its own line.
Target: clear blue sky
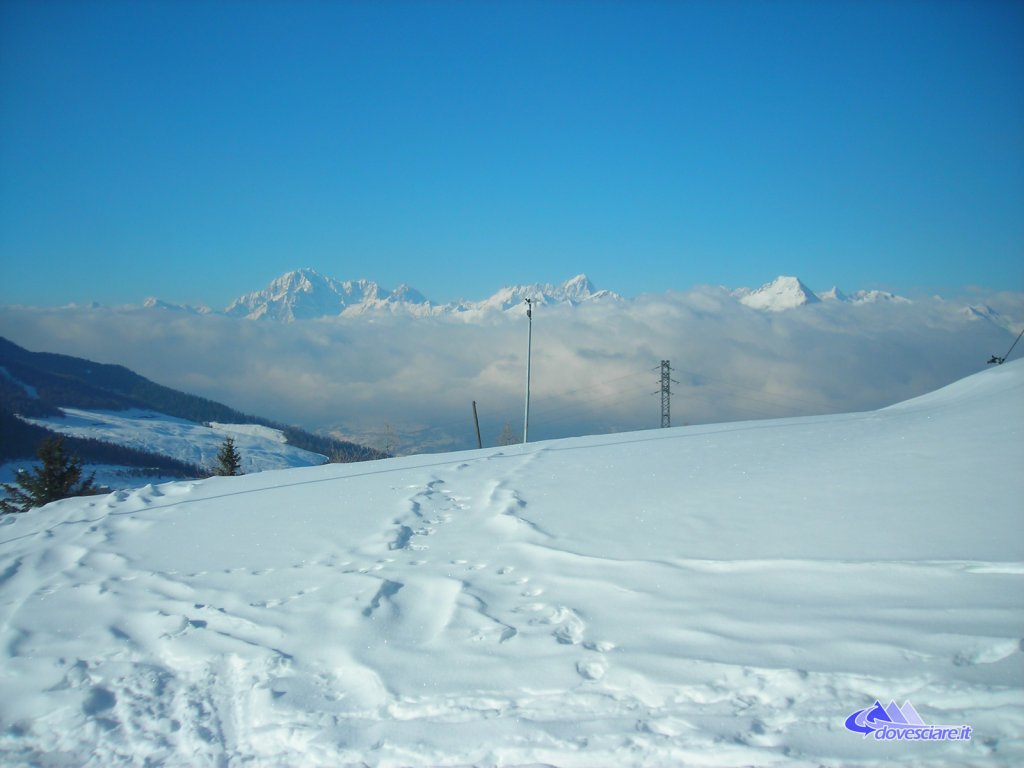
point(195, 150)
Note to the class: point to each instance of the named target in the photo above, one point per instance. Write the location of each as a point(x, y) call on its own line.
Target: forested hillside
point(40, 383)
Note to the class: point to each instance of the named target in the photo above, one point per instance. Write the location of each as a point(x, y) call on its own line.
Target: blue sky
point(196, 150)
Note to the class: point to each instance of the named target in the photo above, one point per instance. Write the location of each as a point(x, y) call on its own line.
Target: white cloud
point(593, 366)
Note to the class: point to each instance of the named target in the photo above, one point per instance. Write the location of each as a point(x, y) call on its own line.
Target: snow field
point(703, 596)
point(261, 448)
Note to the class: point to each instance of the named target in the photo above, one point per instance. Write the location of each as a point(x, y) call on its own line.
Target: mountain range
point(785, 292)
point(305, 294)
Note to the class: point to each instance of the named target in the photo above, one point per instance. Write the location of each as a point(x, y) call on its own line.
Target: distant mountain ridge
point(786, 292)
point(305, 294)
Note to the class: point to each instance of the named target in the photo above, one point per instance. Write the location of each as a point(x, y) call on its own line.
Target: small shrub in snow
point(59, 477)
point(229, 461)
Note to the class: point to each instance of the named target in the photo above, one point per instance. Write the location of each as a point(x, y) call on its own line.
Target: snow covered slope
point(712, 595)
point(261, 447)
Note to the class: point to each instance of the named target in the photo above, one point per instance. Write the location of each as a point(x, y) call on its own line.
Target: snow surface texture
point(260, 447)
point(711, 595)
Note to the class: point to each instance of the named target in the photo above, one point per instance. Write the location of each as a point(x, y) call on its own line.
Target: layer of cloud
point(595, 367)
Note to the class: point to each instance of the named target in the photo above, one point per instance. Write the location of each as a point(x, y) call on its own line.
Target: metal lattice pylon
point(666, 393)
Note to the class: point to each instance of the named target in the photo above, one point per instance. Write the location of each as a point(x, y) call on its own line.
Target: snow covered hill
point(731, 594)
point(261, 448)
point(145, 423)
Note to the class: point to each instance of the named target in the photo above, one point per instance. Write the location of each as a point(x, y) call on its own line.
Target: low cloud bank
point(410, 381)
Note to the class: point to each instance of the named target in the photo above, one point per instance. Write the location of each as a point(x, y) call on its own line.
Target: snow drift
point(713, 595)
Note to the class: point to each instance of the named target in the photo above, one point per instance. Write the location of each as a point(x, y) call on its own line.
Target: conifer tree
point(58, 478)
point(229, 461)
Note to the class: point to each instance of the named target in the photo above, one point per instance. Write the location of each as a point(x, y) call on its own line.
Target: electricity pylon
point(666, 393)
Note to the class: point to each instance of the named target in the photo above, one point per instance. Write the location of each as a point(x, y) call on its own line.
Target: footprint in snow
point(591, 670)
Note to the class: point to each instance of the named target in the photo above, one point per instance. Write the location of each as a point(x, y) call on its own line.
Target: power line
point(1001, 360)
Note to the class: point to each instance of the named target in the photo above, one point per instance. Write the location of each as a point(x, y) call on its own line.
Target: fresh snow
point(703, 596)
point(261, 448)
point(781, 294)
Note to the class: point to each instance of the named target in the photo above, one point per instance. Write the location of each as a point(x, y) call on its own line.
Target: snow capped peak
point(782, 293)
point(985, 313)
point(154, 303)
point(787, 292)
point(870, 297)
point(833, 294)
point(578, 288)
point(300, 279)
point(574, 291)
point(306, 294)
point(405, 292)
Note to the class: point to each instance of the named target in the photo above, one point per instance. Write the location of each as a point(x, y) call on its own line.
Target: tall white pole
point(529, 353)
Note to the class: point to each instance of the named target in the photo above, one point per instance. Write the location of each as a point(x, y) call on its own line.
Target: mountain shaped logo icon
point(874, 717)
point(894, 723)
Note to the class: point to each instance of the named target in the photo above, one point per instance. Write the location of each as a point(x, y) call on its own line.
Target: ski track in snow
point(450, 615)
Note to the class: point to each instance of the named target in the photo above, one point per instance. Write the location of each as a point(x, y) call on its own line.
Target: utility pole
point(666, 393)
point(476, 421)
point(529, 352)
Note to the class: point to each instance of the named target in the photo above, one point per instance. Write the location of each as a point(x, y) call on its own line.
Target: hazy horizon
point(594, 365)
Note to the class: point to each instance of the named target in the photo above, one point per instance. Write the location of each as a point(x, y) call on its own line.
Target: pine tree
point(229, 461)
point(58, 478)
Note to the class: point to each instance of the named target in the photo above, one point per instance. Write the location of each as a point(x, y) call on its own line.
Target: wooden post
point(476, 420)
